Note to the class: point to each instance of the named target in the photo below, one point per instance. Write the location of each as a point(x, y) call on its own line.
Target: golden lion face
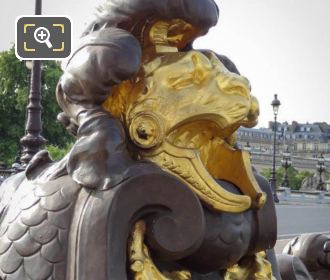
point(185, 88)
point(181, 112)
point(196, 88)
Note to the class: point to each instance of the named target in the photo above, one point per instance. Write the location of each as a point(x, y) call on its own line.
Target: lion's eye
point(145, 91)
point(232, 84)
point(180, 82)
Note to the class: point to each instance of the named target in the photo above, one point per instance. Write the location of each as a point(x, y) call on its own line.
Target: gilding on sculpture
point(181, 112)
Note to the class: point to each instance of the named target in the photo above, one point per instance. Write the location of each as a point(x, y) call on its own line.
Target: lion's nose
point(254, 109)
point(252, 117)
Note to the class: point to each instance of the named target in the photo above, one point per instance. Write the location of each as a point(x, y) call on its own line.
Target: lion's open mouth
point(197, 133)
point(199, 153)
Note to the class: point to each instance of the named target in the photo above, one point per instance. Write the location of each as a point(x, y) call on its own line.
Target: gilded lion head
point(180, 90)
point(181, 112)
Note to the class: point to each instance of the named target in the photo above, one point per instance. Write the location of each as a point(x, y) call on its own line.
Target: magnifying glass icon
point(42, 35)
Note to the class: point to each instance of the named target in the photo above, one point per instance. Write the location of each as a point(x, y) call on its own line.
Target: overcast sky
point(281, 46)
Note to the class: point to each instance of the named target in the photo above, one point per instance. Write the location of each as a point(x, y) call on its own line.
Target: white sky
point(281, 46)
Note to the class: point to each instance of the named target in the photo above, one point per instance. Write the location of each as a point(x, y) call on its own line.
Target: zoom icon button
point(43, 37)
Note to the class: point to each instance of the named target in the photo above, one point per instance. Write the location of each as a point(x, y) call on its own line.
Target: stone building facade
point(302, 139)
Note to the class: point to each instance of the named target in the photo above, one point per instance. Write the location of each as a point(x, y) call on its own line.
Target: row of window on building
point(302, 138)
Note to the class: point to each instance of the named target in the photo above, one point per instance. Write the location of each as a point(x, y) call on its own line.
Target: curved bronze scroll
point(175, 223)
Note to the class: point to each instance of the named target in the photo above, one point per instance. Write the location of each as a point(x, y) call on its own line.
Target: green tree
point(295, 177)
point(13, 100)
point(267, 173)
point(57, 153)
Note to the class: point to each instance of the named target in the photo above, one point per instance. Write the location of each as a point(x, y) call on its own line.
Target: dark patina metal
point(72, 219)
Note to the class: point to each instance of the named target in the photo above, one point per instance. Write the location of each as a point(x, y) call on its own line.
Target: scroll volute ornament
point(141, 264)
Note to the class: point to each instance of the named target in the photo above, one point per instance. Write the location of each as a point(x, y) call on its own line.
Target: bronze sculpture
point(313, 250)
point(154, 187)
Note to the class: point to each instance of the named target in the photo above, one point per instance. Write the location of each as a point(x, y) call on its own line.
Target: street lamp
point(286, 163)
point(33, 141)
point(276, 105)
point(320, 167)
point(29, 66)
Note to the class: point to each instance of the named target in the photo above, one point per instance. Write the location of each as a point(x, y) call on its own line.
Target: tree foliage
point(14, 86)
point(58, 153)
point(295, 177)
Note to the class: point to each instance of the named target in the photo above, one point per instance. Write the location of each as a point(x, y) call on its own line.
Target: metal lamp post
point(276, 105)
point(320, 167)
point(29, 66)
point(33, 141)
point(248, 147)
point(286, 163)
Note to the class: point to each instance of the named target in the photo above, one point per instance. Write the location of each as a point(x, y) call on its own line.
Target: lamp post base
point(272, 182)
point(31, 145)
point(320, 187)
point(275, 197)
